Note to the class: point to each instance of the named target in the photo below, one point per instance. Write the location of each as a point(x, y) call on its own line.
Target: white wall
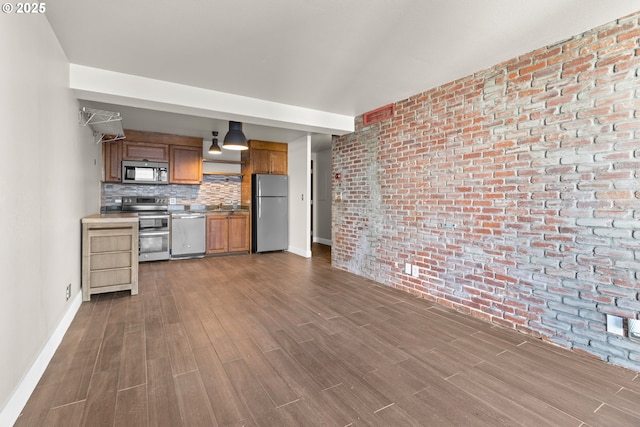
point(322, 197)
point(49, 179)
point(299, 159)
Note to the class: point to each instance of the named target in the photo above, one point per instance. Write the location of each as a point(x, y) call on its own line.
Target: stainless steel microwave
point(144, 172)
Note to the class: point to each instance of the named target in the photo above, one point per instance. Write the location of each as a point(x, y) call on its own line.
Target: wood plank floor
point(279, 340)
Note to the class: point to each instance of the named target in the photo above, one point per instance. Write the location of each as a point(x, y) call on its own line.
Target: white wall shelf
point(106, 125)
point(222, 167)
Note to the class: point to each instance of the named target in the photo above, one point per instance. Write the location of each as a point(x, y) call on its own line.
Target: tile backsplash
point(213, 190)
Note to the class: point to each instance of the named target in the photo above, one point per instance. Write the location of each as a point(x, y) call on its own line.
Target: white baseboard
point(300, 252)
point(321, 240)
point(20, 396)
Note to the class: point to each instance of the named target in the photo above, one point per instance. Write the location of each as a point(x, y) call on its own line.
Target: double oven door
point(154, 236)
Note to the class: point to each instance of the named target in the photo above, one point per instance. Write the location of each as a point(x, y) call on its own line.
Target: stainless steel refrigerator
point(270, 210)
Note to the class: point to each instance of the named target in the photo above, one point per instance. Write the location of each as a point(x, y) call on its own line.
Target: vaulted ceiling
point(344, 57)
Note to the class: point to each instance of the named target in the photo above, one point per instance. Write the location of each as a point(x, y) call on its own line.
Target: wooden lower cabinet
point(217, 234)
point(227, 233)
point(239, 233)
point(109, 254)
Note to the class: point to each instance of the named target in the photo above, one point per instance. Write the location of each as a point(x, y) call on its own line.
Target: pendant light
point(235, 139)
point(215, 148)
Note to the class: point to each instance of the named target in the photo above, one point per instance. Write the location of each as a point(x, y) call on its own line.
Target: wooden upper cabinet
point(266, 157)
point(268, 161)
point(112, 161)
point(151, 151)
point(183, 153)
point(261, 161)
point(262, 157)
point(185, 165)
point(278, 161)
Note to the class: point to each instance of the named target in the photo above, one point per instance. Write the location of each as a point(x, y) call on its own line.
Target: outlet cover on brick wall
point(614, 325)
point(414, 271)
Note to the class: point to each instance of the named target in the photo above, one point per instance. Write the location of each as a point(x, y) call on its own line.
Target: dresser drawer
point(102, 278)
point(110, 243)
point(104, 261)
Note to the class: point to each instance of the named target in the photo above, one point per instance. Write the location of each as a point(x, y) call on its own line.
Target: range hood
point(106, 125)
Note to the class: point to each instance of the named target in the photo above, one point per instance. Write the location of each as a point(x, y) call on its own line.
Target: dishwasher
point(188, 239)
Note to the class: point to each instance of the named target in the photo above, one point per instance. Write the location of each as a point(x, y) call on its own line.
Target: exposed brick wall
point(516, 192)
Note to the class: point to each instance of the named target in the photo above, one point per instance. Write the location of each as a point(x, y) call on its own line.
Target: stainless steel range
point(154, 225)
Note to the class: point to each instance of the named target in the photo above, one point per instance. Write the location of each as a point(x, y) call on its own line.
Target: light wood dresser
point(109, 254)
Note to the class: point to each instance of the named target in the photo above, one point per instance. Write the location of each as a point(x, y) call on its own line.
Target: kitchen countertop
point(228, 210)
point(209, 209)
point(112, 211)
point(111, 217)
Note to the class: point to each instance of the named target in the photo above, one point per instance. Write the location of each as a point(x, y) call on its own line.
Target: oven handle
point(152, 233)
point(160, 216)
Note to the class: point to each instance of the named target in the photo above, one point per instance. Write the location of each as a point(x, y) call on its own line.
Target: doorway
point(321, 199)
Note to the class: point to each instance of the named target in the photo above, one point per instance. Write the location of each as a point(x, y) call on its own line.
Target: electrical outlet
point(634, 328)
point(172, 200)
point(68, 291)
point(414, 271)
point(407, 268)
point(615, 325)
